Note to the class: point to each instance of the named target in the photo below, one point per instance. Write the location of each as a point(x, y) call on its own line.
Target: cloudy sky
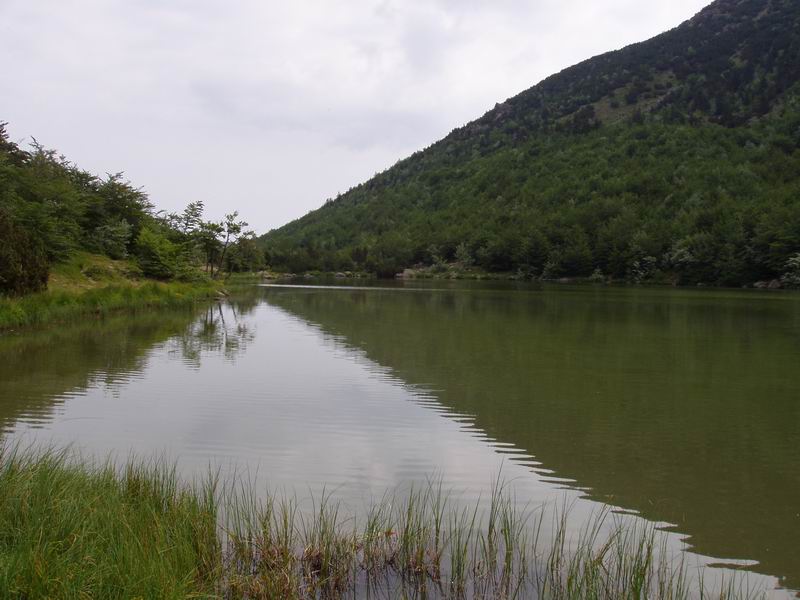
point(272, 107)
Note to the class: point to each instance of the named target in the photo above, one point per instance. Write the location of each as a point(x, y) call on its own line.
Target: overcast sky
point(271, 107)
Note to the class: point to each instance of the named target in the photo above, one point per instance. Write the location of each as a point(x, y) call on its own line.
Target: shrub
point(792, 276)
point(23, 263)
point(158, 257)
point(113, 238)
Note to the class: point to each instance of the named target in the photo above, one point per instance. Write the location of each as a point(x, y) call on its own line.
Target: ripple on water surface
point(309, 393)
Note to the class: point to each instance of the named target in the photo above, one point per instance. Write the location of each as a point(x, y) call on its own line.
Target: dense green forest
point(676, 159)
point(50, 208)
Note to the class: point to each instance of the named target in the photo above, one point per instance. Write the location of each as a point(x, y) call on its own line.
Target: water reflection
point(680, 406)
point(676, 406)
point(212, 332)
point(40, 368)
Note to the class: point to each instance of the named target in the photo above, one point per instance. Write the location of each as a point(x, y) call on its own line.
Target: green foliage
point(694, 203)
point(23, 264)
point(676, 159)
point(51, 210)
point(245, 256)
point(231, 233)
point(90, 531)
point(61, 305)
point(464, 256)
point(207, 240)
point(190, 220)
point(113, 238)
point(120, 201)
point(792, 276)
point(61, 208)
point(158, 257)
point(70, 528)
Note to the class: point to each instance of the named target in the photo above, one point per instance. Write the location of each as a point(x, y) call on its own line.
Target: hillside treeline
point(689, 203)
point(676, 159)
point(49, 207)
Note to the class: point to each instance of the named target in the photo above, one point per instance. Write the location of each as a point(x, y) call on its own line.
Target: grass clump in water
point(72, 529)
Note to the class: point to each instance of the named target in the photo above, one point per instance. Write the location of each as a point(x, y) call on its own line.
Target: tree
point(216, 238)
point(245, 255)
point(189, 221)
point(50, 208)
point(158, 257)
point(23, 262)
point(232, 230)
point(533, 252)
point(792, 276)
point(207, 237)
point(576, 257)
point(122, 201)
point(113, 238)
point(464, 255)
point(11, 150)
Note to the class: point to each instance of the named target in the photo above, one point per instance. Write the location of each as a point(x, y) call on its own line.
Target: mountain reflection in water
point(677, 405)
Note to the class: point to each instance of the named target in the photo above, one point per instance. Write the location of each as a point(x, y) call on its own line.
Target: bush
point(158, 257)
point(23, 263)
point(792, 276)
point(464, 255)
point(113, 238)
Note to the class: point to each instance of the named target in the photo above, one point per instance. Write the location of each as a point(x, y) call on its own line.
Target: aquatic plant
point(72, 528)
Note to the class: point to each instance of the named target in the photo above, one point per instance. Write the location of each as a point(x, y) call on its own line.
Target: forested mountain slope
point(674, 158)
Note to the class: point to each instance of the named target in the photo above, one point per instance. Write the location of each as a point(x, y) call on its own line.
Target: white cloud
point(271, 107)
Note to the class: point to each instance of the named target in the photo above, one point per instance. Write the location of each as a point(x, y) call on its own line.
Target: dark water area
point(679, 406)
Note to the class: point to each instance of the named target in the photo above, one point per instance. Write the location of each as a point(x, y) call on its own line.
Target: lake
point(678, 407)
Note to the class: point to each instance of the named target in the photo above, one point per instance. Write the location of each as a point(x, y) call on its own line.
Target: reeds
point(77, 530)
point(74, 529)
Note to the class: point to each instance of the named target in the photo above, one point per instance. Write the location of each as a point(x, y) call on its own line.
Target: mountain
point(673, 159)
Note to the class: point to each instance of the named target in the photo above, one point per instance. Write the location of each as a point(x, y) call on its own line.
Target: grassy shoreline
point(76, 529)
point(92, 286)
point(58, 306)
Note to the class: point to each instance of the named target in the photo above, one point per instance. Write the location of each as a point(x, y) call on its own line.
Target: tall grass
point(60, 306)
point(77, 530)
point(74, 529)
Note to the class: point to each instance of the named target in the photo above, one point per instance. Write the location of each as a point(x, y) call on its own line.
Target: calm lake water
point(679, 406)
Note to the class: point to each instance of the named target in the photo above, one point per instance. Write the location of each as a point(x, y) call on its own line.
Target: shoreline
point(63, 305)
point(70, 527)
point(277, 277)
point(93, 286)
